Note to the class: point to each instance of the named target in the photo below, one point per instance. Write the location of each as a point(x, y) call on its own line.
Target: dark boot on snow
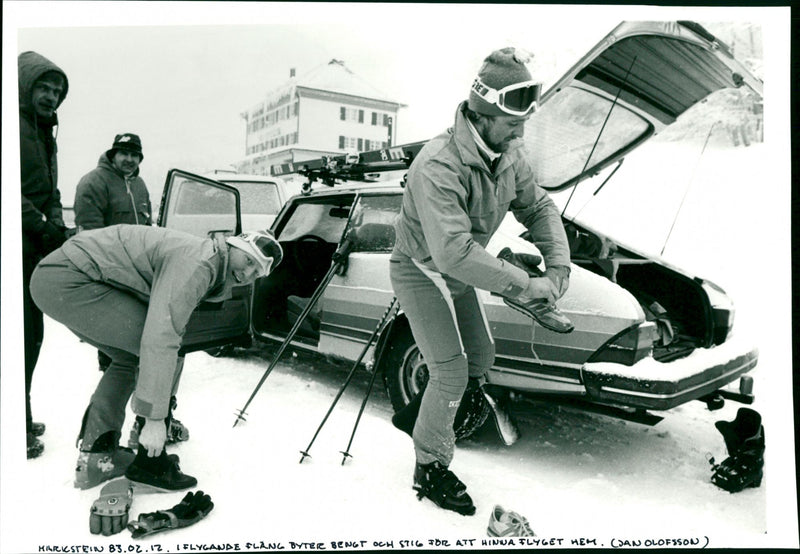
point(441, 485)
point(103, 461)
point(744, 440)
point(35, 447)
point(162, 472)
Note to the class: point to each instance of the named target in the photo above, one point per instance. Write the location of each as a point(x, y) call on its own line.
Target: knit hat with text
point(500, 68)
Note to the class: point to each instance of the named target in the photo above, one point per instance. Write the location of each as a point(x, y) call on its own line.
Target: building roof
point(335, 77)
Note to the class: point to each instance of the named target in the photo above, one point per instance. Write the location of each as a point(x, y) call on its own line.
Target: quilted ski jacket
point(453, 204)
point(105, 197)
point(41, 199)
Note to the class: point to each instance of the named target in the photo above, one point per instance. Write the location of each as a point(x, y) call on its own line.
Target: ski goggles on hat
point(517, 99)
point(262, 246)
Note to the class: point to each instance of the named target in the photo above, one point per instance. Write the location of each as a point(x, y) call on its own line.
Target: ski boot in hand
point(441, 485)
point(744, 440)
point(539, 309)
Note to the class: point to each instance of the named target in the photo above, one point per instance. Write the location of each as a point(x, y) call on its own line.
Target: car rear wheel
point(405, 375)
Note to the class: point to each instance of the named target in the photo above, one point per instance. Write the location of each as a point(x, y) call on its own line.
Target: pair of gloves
point(109, 513)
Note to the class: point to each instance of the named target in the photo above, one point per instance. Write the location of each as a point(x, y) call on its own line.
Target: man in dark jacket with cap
point(113, 192)
point(42, 88)
point(459, 188)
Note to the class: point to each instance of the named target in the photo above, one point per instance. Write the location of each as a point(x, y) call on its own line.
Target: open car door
point(207, 208)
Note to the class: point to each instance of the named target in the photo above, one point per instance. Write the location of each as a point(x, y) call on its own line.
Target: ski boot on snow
point(34, 446)
point(543, 312)
point(441, 485)
point(105, 460)
point(744, 440)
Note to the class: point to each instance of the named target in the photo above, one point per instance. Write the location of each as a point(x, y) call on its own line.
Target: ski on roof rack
point(329, 169)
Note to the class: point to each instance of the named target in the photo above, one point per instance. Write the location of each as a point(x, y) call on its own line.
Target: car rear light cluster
point(722, 311)
point(629, 346)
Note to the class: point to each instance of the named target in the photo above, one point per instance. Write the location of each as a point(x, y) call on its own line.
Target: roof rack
point(350, 167)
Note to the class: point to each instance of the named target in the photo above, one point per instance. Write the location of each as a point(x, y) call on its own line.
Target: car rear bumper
point(650, 384)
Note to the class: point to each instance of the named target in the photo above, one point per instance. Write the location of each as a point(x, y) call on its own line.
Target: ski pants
point(106, 317)
point(450, 327)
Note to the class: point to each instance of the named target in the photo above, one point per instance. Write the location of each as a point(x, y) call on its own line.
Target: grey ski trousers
point(451, 329)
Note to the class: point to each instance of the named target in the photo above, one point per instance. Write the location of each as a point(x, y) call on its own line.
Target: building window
point(361, 116)
point(343, 113)
point(385, 120)
point(360, 146)
point(374, 118)
point(341, 141)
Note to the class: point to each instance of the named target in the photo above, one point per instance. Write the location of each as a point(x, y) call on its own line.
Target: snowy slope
point(574, 475)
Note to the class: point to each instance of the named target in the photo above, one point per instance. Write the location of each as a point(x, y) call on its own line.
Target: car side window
point(373, 222)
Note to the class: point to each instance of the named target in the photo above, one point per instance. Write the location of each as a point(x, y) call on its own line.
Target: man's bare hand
point(539, 287)
point(153, 436)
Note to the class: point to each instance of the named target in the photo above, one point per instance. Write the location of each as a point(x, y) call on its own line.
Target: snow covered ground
point(576, 476)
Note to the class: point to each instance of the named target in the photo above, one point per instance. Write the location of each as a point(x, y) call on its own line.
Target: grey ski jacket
point(172, 272)
point(453, 204)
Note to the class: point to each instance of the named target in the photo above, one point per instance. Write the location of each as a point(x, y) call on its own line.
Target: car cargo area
point(678, 305)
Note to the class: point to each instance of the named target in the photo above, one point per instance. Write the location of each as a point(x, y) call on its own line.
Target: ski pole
point(339, 258)
point(353, 369)
point(346, 453)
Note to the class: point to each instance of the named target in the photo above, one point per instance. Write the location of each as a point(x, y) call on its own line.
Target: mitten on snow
point(109, 513)
point(194, 507)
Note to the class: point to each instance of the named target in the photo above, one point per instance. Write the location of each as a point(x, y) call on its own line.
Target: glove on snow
point(109, 513)
point(194, 507)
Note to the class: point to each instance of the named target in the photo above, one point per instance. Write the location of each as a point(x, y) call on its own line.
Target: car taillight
point(722, 311)
point(629, 346)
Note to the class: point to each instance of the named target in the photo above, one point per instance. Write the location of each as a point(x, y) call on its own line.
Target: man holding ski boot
point(129, 290)
point(459, 188)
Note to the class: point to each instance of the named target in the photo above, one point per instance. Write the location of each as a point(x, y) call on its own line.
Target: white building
point(328, 111)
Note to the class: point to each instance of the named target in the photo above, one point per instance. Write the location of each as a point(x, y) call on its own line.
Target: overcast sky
point(179, 74)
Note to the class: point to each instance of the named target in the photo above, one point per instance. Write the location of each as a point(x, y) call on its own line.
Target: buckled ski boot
point(744, 440)
point(103, 462)
point(540, 310)
point(441, 485)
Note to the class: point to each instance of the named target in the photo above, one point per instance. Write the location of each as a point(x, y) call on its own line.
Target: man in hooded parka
point(42, 89)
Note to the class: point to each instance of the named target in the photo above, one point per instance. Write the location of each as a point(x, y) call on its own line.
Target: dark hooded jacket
point(41, 199)
point(105, 197)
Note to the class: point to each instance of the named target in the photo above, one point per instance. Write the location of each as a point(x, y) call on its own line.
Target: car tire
point(405, 375)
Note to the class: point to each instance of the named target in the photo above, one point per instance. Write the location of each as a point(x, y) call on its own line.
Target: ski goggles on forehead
point(517, 99)
point(267, 250)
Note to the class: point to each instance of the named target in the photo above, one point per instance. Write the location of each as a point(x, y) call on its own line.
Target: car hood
point(636, 81)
